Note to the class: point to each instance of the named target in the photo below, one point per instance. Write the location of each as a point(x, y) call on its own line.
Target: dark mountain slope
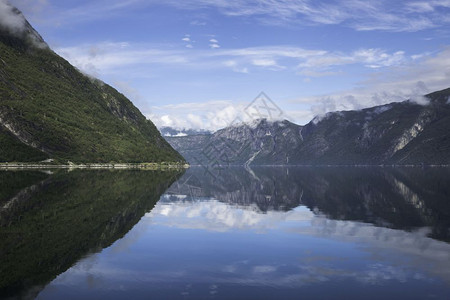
point(396, 133)
point(49, 106)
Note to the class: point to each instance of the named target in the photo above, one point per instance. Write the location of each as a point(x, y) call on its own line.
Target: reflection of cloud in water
point(388, 256)
point(420, 251)
point(217, 216)
point(108, 277)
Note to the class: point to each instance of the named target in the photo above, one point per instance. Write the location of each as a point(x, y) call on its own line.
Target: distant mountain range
point(401, 133)
point(48, 109)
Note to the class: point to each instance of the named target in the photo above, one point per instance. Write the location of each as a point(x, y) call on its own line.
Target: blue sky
point(198, 63)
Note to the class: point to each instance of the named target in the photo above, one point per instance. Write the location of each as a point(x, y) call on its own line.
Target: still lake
point(260, 233)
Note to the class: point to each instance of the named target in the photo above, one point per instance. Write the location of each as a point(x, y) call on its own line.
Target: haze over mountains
point(48, 109)
point(398, 133)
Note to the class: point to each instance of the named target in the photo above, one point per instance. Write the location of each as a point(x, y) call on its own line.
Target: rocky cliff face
point(48, 109)
point(259, 142)
point(396, 133)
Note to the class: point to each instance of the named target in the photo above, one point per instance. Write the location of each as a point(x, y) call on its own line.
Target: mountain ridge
point(405, 133)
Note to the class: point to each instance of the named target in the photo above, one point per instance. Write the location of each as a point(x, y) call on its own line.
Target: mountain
point(49, 109)
point(169, 132)
point(190, 146)
point(259, 142)
point(397, 133)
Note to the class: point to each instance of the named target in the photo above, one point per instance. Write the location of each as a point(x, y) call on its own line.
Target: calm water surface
point(262, 233)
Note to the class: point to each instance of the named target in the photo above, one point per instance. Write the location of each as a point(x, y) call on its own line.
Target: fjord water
point(261, 233)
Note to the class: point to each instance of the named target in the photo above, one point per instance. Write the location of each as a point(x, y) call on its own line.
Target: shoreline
point(167, 165)
point(121, 166)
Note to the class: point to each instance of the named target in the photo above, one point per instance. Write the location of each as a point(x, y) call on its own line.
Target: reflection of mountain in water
point(401, 198)
point(269, 189)
point(48, 222)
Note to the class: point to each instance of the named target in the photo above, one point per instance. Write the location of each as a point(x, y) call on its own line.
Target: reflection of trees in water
point(402, 198)
point(47, 226)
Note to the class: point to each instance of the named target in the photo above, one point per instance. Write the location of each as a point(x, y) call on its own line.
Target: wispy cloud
point(371, 58)
point(361, 15)
point(108, 57)
point(357, 14)
point(409, 80)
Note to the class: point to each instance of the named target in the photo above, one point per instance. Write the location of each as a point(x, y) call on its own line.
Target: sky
point(200, 63)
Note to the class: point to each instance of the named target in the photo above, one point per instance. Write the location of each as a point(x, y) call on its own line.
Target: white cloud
point(371, 57)
point(166, 120)
point(264, 62)
point(212, 115)
point(420, 7)
point(10, 19)
point(401, 82)
point(189, 42)
point(214, 44)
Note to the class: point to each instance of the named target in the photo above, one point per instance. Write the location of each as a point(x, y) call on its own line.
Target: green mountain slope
point(48, 109)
